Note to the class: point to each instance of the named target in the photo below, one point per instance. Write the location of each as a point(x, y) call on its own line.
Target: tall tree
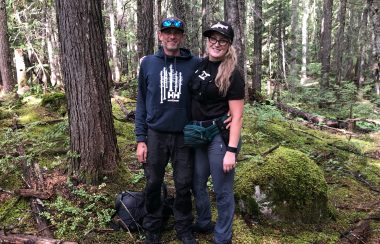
point(87, 79)
point(305, 43)
point(5, 54)
point(375, 11)
point(145, 32)
point(52, 49)
point(234, 13)
point(205, 21)
point(325, 51)
point(257, 48)
point(116, 73)
point(339, 42)
point(362, 40)
point(293, 44)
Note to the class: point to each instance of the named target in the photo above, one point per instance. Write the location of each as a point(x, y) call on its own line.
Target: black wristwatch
point(231, 149)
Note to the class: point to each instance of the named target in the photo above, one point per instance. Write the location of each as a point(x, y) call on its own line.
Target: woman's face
point(218, 46)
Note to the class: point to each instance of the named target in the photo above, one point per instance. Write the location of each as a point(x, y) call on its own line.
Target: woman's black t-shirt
point(207, 102)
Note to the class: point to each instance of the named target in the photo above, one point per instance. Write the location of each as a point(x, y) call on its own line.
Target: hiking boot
point(152, 238)
point(188, 238)
point(208, 229)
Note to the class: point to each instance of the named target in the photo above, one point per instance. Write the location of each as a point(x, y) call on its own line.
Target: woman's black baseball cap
point(221, 27)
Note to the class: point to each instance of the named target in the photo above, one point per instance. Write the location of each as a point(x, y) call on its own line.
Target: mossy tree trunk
point(87, 79)
point(5, 60)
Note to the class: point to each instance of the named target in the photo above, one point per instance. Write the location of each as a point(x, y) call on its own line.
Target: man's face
point(171, 39)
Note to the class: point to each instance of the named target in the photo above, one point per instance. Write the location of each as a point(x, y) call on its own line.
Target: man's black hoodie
point(163, 100)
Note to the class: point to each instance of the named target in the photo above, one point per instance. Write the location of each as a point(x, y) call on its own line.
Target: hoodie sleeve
point(140, 120)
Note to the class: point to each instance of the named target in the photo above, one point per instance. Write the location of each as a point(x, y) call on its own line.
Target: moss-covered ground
point(81, 212)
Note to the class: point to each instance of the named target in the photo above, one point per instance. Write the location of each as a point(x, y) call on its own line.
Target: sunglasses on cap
point(172, 23)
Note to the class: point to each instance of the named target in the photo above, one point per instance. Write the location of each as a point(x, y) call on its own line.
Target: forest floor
point(34, 132)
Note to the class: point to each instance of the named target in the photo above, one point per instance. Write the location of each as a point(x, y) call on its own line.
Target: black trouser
point(163, 147)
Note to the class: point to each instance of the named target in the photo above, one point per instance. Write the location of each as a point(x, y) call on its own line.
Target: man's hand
point(141, 152)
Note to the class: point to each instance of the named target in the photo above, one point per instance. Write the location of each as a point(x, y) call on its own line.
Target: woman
point(217, 89)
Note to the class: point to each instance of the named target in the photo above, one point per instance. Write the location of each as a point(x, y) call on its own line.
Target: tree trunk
point(257, 48)
point(87, 85)
point(339, 42)
point(234, 13)
point(205, 22)
point(305, 18)
point(145, 35)
point(326, 43)
point(52, 49)
point(362, 39)
point(280, 72)
point(20, 67)
point(5, 55)
point(375, 11)
point(157, 21)
point(114, 46)
point(293, 45)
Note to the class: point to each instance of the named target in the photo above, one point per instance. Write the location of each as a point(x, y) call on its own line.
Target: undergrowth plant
point(75, 219)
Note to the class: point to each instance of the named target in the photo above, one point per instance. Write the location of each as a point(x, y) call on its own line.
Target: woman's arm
point(236, 110)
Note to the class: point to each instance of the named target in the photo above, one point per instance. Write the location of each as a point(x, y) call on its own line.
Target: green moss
point(14, 210)
point(292, 181)
point(55, 102)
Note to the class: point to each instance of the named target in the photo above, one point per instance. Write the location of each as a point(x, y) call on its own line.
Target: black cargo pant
point(163, 147)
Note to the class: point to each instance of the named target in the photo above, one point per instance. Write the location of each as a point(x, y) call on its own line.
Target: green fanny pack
point(198, 133)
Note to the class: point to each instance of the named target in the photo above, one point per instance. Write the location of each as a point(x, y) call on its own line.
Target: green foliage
point(78, 219)
point(15, 211)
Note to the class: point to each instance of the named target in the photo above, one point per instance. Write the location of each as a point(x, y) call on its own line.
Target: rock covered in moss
point(286, 186)
point(55, 101)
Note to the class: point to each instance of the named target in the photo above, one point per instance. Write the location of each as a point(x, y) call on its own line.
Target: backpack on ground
point(130, 209)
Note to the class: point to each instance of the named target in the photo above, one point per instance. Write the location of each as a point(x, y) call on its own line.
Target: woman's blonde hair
point(228, 65)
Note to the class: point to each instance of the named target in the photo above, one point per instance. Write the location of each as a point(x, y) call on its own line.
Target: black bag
point(130, 209)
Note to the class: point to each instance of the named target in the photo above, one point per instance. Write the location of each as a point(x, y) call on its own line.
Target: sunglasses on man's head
point(172, 23)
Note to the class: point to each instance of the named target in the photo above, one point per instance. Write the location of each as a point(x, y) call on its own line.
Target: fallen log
point(348, 124)
point(33, 193)
point(33, 178)
point(129, 116)
point(358, 234)
point(308, 116)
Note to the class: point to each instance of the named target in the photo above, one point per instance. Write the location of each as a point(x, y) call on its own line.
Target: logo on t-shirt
point(170, 84)
point(204, 75)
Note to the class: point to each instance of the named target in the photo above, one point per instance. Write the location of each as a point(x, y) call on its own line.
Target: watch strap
point(231, 149)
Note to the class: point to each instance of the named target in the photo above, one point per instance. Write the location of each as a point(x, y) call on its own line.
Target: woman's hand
point(229, 162)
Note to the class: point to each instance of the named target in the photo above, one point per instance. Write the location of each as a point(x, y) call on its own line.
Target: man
point(163, 109)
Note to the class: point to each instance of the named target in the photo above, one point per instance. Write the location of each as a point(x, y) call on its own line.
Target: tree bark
point(257, 49)
point(20, 67)
point(205, 23)
point(157, 21)
point(234, 13)
point(305, 18)
point(325, 51)
point(52, 49)
point(145, 35)
point(362, 39)
point(375, 12)
point(87, 85)
point(116, 74)
point(5, 54)
point(293, 44)
point(339, 42)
